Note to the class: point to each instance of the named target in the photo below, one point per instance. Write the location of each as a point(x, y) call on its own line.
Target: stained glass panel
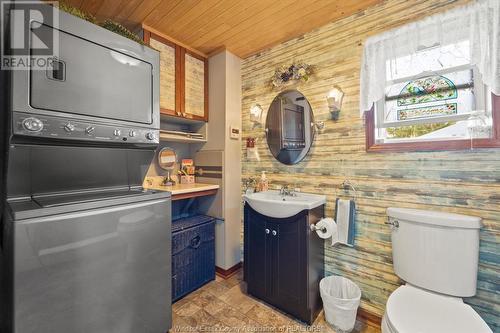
point(430, 96)
point(428, 111)
point(427, 89)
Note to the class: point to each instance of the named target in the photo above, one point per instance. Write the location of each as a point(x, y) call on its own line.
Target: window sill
point(372, 146)
point(433, 146)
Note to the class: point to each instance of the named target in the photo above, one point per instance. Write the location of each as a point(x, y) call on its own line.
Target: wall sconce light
point(256, 114)
point(334, 100)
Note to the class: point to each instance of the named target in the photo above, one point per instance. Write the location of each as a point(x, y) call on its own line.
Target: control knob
point(69, 127)
point(117, 132)
point(90, 130)
point(32, 124)
point(150, 136)
point(132, 133)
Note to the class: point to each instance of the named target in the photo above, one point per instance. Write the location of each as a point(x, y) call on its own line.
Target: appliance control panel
point(73, 129)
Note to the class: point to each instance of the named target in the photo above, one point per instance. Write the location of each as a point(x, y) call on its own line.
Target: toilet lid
point(413, 310)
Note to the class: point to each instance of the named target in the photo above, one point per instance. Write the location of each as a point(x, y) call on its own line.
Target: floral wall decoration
point(299, 71)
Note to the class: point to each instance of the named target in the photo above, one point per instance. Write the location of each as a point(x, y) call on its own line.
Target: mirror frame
point(161, 164)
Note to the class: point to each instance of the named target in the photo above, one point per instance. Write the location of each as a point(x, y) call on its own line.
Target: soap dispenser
point(263, 183)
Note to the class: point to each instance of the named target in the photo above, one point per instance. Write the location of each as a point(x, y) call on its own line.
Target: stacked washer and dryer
point(84, 247)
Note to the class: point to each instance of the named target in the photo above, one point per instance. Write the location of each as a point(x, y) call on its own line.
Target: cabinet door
point(183, 79)
point(169, 73)
point(256, 262)
point(195, 92)
point(290, 264)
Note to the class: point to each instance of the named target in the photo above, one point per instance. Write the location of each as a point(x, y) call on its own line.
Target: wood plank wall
point(466, 182)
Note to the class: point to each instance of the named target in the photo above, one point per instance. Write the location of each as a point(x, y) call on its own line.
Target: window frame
point(410, 146)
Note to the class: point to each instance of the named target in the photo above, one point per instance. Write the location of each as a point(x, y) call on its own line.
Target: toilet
point(436, 254)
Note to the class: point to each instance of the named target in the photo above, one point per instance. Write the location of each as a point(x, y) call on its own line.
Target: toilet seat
point(414, 310)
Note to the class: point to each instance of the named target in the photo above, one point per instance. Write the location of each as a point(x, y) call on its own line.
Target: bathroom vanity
point(283, 260)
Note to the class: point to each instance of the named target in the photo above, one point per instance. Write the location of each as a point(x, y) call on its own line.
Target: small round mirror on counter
point(289, 127)
point(167, 158)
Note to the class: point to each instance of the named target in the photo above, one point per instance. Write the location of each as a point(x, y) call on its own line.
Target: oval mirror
point(167, 158)
point(289, 129)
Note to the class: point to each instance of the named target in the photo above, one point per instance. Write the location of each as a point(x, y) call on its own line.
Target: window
point(434, 84)
point(434, 94)
point(434, 99)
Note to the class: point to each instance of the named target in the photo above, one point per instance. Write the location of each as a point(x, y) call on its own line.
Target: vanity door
point(256, 260)
point(289, 263)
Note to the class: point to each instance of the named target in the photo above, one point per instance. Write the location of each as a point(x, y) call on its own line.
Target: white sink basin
point(273, 204)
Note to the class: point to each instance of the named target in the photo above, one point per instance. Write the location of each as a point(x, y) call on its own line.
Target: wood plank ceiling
point(244, 27)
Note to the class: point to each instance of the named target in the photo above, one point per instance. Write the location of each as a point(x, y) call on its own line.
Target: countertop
point(183, 188)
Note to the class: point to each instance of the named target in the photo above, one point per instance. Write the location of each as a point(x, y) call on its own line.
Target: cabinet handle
point(274, 233)
point(267, 231)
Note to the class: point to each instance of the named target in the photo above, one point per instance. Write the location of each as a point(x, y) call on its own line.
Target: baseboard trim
point(227, 273)
point(370, 317)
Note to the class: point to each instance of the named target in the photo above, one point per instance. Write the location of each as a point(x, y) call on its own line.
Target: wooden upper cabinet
point(195, 85)
point(183, 79)
point(167, 74)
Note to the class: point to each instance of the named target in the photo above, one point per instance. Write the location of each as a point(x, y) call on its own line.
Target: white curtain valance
point(479, 23)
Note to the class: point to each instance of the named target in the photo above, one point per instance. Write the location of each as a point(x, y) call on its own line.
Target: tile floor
point(223, 306)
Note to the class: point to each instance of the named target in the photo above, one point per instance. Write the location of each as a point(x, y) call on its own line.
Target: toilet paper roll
point(326, 227)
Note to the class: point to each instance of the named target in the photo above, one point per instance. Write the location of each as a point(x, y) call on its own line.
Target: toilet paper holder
point(314, 228)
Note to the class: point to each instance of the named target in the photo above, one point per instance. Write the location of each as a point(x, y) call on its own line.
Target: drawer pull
point(195, 242)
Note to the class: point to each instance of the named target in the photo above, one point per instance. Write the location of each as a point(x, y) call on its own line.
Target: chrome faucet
point(285, 190)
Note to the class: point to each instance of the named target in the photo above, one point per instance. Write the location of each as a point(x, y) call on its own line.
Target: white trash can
point(341, 299)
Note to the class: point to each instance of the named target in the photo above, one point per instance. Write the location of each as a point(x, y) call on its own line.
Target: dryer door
point(89, 79)
point(100, 270)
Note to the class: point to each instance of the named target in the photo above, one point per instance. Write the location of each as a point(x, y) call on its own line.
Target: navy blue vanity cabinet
point(283, 261)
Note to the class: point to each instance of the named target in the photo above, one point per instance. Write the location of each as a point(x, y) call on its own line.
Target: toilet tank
point(435, 250)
